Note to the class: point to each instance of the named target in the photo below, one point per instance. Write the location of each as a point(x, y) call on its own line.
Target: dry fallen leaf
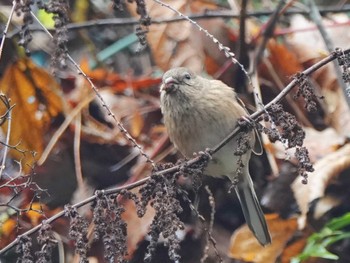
point(339, 34)
point(310, 51)
point(294, 249)
point(244, 245)
point(326, 169)
point(329, 137)
point(34, 93)
point(284, 60)
point(173, 44)
point(137, 227)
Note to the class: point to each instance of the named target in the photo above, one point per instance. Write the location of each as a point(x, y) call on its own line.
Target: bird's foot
point(246, 122)
point(207, 154)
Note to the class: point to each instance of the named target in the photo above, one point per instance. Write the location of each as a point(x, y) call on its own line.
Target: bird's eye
point(187, 76)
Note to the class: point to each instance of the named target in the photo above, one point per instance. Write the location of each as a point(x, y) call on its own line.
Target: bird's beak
point(168, 84)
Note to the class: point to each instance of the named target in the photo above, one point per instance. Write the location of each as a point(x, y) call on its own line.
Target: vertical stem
point(316, 17)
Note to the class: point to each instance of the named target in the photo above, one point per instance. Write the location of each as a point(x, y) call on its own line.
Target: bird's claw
point(246, 121)
point(207, 154)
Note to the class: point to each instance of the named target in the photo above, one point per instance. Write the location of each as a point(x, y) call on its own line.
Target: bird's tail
point(251, 209)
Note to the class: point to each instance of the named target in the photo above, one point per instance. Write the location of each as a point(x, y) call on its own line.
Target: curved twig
point(176, 168)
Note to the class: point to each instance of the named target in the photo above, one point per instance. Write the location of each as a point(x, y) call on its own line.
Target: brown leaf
point(312, 40)
point(173, 44)
point(293, 249)
point(7, 231)
point(285, 61)
point(137, 227)
point(123, 107)
point(244, 245)
point(313, 50)
point(329, 137)
point(338, 108)
point(326, 169)
point(33, 91)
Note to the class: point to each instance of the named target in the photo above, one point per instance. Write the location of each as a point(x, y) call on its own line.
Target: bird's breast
point(193, 128)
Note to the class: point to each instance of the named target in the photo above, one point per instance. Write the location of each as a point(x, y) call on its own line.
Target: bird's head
point(178, 79)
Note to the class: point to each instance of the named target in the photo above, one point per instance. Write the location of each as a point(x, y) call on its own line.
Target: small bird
point(198, 114)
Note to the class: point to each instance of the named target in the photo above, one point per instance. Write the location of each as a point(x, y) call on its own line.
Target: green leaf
point(317, 243)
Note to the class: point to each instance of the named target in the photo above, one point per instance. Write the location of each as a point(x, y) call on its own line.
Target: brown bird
point(198, 114)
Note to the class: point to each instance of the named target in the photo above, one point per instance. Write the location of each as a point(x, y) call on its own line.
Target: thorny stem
point(229, 54)
point(103, 102)
point(227, 51)
point(77, 205)
point(176, 168)
point(209, 230)
point(111, 114)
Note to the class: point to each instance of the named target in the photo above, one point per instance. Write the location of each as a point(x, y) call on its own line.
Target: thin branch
point(7, 142)
point(63, 127)
point(62, 213)
point(286, 31)
point(209, 230)
point(316, 17)
point(258, 113)
point(242, 30)
point(77, 160)
point(205, 15)
point(226, 50)
point(111, 114)
point(268, 32)
point(102, 101)
point(14, 3)
point(176, 168)
point(8, 183)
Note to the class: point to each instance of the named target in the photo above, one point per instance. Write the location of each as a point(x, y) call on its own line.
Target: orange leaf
point(137, 123)
point(244, 245)
point(33, 91)
point(8, 227)
point(102, 77)
point(293, 249)
point(284, 61)
point(36, 214)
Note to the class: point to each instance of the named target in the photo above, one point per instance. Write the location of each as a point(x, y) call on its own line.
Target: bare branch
point(4, 34)
point(206, 15)
point(189, 163)
point(316, 17)
point(103, 102)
